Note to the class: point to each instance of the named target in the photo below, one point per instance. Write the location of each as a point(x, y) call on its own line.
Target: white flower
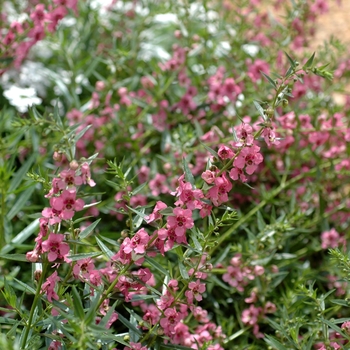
point(21, 98)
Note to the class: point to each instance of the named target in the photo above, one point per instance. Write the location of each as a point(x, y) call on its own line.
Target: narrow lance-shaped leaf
point(86, 232)
point(309, 62)
point(291, 61)
point(269, 79)
point(188, 175)
point(260, 109)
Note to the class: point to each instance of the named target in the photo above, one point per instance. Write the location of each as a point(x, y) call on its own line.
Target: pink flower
point(270, 308)
point(158, 185)
point(270, 137)
point(218, 194)
point(137, 243)
point(346, 327)
point(170, 320)
point(250, 317)
point(83, 268)
point(66, 204)
point(156, 215)
point(196, 289)
point(209, 177)
point(225, 152)
point(53, 215)
point(249, 158)
point(245, 136)
point(56, 247)
point(331, 239)
point(70, 179)
point(86, 175)
point(188, 196)
point(236, 173)
point(49, 287)
point(181, 221)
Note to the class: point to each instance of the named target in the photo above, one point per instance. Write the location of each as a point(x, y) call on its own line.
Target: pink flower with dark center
point(236, 173)
point(225, 152)
point(171, 319)
point(188, 196)
point(244, 134)
point(49, 287)
point(205, 210)
point(67, 204)
point(70, 179)
point(249, 158)
point(181, 221)
point(137, 243)
point(52, 214)
point(83, 268)
point(196, 289)
point(270, 137)
point(55, 246)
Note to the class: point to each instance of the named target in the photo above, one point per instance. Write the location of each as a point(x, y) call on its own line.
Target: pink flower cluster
point(63, 205)
point(20, 37)
point(332, 239)
point(238, 275)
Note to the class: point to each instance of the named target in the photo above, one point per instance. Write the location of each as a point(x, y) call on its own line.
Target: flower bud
point(57, 156)
point(74, 165)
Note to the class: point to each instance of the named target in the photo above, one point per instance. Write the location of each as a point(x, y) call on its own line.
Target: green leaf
point(157, 266)
point(336, 328)
point(81, 133)
point(104, 248)
point(128, 324)
point(21, 173)
point(278, 278)
point(139, 297)
point(210, 150)
point(260, 110)
point(291, 61)
point(20, 203)
point(81, 256)
point(269, 80)
point(21, 237)
point(183, 271)
point(274, 343)
point(340, 302)
point(16, 257)
point(56, 116)
point(138, 188)
point(188, 175)
point(25, 287)
point(86, 232)
point(78, 306)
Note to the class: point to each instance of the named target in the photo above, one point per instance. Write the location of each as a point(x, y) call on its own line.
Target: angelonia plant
point(173, 175)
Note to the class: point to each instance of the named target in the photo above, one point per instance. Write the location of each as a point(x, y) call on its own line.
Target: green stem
point(34, 305)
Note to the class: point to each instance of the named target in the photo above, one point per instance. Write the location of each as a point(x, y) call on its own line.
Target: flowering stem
point(105, 294)
point(34, 305)
point(273, 194)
